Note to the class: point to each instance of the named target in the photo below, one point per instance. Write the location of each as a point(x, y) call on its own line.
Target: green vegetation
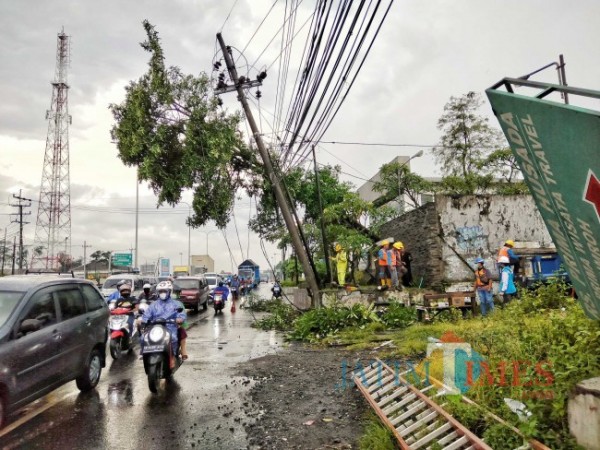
point(318, 324)
point(377, 436)
point(543, 342)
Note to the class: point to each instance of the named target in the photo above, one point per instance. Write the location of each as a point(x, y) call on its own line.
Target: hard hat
point(338, 247)
point(479, 260)
point(399, 245)
point(504, 260)
point(147, 286)
point(510, 242)
point(385, 243)
point(125, 287)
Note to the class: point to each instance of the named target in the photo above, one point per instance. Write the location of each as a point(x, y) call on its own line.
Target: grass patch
point(377, 436)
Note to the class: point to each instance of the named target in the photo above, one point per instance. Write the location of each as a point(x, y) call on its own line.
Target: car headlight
point(156, 334)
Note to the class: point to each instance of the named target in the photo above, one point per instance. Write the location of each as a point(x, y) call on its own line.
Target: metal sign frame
point(557, 147)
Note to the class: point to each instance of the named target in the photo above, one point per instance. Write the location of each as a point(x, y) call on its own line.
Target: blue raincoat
point(165, 309)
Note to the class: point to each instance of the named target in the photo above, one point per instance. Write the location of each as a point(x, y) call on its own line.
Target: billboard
point(165, 267)
point(557, 147)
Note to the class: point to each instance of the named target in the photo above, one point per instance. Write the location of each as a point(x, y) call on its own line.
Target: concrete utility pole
point(137, 215)
point(85, 247)
point(321, 220)
point(20, 206)
point(3, 250)
point(14, 255)
point(279, 194)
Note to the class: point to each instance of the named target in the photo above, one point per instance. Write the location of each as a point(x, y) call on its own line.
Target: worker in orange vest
point(507, 252)
point(387, 262)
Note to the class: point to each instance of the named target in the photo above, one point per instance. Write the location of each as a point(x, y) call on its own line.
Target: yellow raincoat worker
point(341, 262)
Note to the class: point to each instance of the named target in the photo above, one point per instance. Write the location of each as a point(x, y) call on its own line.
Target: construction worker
point(483, 287)
point(398, 248)
point(341, 263)
point(387, 264)
point(507, 280)
point(507, 251)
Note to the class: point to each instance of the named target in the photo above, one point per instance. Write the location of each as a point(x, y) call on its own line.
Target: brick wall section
point(419, 230)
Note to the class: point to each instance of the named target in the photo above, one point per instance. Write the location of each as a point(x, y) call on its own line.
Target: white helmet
point(503, 260)
point(147, 286)
point(164, 286)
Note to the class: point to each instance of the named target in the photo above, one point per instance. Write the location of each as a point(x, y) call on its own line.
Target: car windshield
point(111, 283)
point(211, 281)
point(186, 284)
point(8, 302)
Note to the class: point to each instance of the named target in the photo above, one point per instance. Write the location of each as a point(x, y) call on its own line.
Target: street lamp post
point(207, 233)
point(416, 155)
point(189, 237)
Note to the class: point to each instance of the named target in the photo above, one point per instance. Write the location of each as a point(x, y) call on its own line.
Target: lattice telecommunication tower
point(53, 226)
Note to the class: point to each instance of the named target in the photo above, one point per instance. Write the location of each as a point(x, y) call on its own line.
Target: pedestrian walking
point(483, 287)
point(383, 259)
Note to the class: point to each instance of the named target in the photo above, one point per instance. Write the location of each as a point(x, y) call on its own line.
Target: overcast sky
point(426, 52)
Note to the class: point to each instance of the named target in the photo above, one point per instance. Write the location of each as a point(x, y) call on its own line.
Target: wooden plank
point(431, 415)
point(457, 444)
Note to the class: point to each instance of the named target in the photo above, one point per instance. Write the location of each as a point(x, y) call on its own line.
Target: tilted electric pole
point(279, 194)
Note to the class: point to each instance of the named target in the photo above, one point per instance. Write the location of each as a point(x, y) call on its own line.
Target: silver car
point(52, 330)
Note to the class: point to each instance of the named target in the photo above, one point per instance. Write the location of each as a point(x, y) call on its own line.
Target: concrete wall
point(445, 237)
point(419, 230)
point(477, 226)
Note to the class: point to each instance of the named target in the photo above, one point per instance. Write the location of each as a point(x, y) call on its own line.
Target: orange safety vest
point(392, 252)
point(503, 252)
point(478, 275)
point(382, 257)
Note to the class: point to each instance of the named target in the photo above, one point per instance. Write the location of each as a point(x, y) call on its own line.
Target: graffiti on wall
point(471, 240)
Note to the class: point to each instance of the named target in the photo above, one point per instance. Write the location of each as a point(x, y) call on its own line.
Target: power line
point(255, 31)
point(230, 11)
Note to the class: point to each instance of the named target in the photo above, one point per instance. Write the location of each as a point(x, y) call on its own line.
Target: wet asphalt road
point(202, 408)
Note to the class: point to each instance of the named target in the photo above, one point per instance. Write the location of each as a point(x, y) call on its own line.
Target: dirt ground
point(304, 400)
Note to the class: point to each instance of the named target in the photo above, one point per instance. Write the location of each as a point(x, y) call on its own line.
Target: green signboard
point(122, 259)
point(557, 147)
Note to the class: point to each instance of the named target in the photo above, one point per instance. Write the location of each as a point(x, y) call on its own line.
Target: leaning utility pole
point(4, 250)
point(20, 221)
point(279, 194)
point(85, 247)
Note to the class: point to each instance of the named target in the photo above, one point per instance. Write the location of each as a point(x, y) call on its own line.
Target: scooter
point(157, 352)
point(234, 293)
point(218, 303)
point(121, 340)
point(276, 291)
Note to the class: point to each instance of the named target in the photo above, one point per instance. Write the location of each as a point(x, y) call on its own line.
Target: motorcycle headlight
point(156, 334)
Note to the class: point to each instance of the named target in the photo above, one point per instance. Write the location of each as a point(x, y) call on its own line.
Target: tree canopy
point(173, 130)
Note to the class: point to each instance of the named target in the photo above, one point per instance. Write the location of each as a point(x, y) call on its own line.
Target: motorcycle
point(234, 293)
point(157, 353)
point(121, 339)
point(276, 291)
point(218, 303)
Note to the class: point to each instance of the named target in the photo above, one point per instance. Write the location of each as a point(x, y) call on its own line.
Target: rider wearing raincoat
point(166, 308)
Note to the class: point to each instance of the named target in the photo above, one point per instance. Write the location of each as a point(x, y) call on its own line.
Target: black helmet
point(220, 283)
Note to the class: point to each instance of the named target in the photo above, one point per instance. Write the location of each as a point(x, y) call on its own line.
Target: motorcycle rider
point(235, 287)
point(166, 308)
point(125, 300)
point(115, 295)
point(222, 289)
point(146, 295)
point(276, 289)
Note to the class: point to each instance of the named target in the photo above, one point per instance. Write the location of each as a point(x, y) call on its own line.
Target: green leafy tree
point(467, 138)
point(397, 181)
point(172, 129)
